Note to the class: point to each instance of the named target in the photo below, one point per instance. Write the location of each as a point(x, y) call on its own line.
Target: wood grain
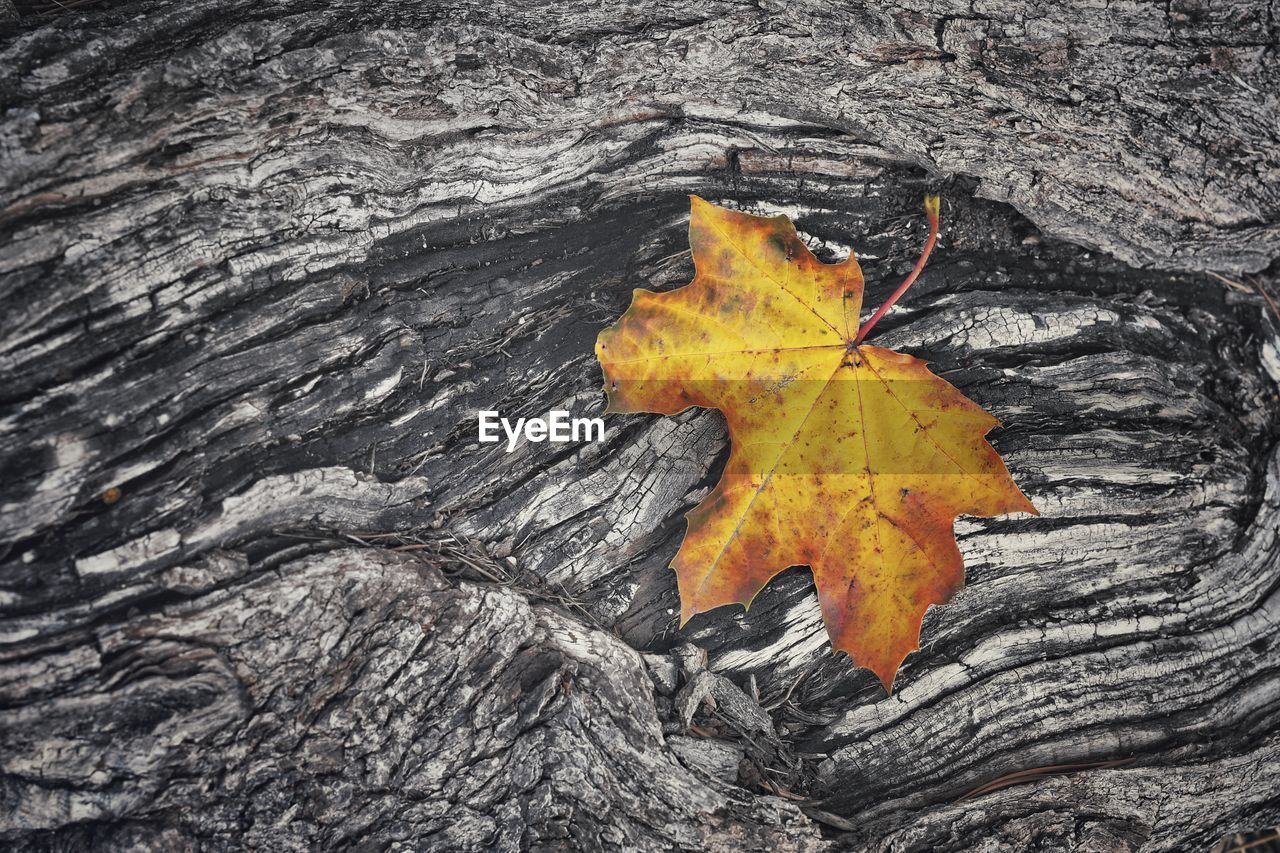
point(261, 264)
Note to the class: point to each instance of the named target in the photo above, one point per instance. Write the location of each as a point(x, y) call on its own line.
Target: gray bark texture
point(262, 262)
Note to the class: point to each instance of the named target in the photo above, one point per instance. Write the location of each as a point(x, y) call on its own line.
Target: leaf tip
point(886, 675)
point(1027, 506)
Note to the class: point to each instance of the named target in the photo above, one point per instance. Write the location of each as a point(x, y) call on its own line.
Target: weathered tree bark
point(261, 263)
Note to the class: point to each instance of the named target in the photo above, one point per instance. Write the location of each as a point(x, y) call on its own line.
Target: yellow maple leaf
point(848, 458)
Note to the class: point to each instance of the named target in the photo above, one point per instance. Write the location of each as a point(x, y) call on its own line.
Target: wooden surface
point(262, 263)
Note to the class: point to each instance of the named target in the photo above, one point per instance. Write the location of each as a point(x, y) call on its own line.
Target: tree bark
point(262, 263)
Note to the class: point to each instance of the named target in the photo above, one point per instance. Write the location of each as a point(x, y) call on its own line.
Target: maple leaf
point(848, 458)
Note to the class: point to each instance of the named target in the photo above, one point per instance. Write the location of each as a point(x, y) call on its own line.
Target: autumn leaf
point(848, 458)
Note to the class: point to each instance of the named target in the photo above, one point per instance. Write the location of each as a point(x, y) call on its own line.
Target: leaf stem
point(931, 211)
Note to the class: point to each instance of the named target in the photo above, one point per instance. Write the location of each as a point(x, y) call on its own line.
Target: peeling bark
point(358, 696)
point(262, 263)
